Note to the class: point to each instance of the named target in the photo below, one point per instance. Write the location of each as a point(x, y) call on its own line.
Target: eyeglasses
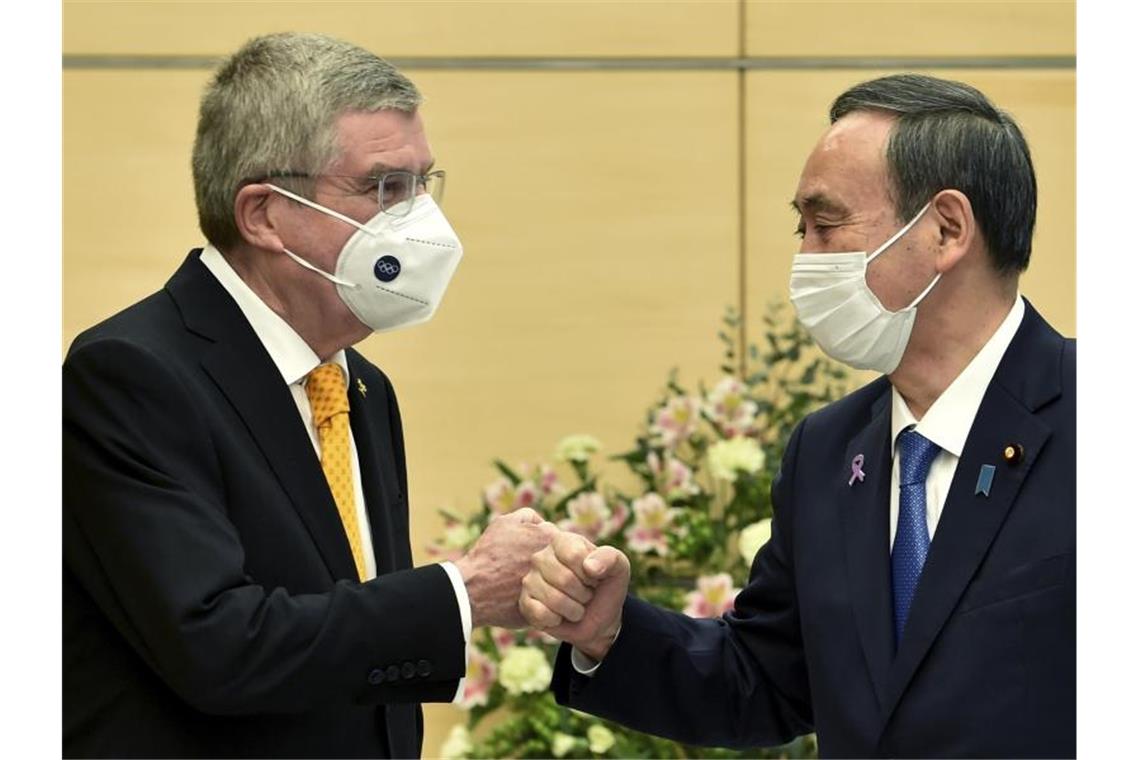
point(396, 191)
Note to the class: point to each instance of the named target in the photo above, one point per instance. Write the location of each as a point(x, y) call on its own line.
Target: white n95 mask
point(394, 270)
point(835, 304)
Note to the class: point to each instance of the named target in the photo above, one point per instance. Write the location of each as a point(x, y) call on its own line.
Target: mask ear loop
point(330, 212)
point(321, 272)
point(319, 207)
point(895, 236)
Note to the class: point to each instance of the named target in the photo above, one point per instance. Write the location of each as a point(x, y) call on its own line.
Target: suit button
point(409, 670)
point(423, 668)
point(393, 672)
point(376, 676)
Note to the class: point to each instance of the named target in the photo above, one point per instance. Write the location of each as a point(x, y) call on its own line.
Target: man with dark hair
point(918, 596)
point(237, 576)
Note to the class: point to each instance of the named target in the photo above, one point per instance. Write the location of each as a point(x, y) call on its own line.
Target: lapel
point(368, 415)
point(246, 375)
point(865, 509)
point(1027, 378)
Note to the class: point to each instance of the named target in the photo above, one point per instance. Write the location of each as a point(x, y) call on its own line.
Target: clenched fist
point(493, 570)
point(575, 591)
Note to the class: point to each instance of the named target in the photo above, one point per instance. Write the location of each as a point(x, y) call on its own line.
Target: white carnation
point(524, 670)
point(753, 537)
point(729, 458)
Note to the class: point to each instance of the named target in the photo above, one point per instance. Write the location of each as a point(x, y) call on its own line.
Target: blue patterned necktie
point(912, 540)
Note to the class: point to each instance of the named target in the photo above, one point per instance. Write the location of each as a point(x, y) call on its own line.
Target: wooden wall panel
point(412, 28)
point(914, 28)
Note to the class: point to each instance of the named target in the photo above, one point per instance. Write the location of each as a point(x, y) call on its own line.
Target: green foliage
point(705, 462)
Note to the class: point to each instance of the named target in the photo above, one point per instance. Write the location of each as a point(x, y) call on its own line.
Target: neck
point(947, 335)
point(325, 334)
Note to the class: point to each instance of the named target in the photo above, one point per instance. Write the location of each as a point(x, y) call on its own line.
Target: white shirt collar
point(288, 350)
point(949, 419)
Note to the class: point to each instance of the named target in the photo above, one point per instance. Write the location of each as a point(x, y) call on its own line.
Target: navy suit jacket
point(210, 600)
point(987, 663)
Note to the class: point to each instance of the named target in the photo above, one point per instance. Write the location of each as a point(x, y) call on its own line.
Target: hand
point(575, 591)
point(493, 569)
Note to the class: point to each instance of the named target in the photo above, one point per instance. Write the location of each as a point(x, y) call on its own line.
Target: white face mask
point(835, 304)
point(394, 270)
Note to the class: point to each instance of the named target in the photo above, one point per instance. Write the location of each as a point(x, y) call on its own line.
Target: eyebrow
point(818, 202)
point(380, 167)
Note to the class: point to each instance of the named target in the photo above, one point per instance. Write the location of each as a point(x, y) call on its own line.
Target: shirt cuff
point(464, 603)
point(584, 663)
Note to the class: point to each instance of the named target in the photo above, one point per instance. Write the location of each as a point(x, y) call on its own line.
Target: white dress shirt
point(948, 420)
point(294, 359)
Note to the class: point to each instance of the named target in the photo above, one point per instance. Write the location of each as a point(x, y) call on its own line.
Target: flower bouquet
point(697, 511)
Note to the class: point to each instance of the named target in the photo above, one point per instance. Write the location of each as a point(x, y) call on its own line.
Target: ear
point(253, 218)
point(957, 230)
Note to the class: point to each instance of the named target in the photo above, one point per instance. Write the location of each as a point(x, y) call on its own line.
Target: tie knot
point(916, 454)
point(327, 391)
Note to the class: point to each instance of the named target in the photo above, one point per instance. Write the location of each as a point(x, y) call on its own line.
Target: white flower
point(458, 535)
point(601, 739)
point(729, 458)
point(577, 448)
point(457, 744)
point(676, 422)
point(525, 670)
point(714, 596)
point(753, 537)
point(729, 405)
point(561, 743)
point(653, 520)
point(589, 516)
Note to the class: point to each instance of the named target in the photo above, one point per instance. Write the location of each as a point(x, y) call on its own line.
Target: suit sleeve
point(145, 530)
point(740, 681)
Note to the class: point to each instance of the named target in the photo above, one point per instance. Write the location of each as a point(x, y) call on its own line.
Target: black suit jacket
point(987, 663)
point(210, 606)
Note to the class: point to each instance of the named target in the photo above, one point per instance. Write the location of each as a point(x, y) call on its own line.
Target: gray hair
point(272, 108)
point(948, 135)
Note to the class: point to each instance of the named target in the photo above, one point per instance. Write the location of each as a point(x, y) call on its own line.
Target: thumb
point(604, 562)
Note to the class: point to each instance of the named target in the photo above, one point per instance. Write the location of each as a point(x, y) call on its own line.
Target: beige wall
point(599, 208)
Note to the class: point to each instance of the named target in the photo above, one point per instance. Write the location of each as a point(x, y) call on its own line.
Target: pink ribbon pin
point(856, 470)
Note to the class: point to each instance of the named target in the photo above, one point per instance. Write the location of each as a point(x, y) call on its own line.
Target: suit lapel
point(246, 375)
point(368, 415)
point(864, 506)
point(970, 521)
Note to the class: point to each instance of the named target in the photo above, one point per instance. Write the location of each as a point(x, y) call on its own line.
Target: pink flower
point(526, 495)
point(728, 404)
point(548, 480)
point(504, 638)
point(617, 520)
point(500, 496)
point(679, 480)
point(651, 523)
point(714, 596)
point(481, 675)
point(589, 516)
point(676, 422)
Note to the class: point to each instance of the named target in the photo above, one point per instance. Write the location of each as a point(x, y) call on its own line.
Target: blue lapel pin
point(985, 480)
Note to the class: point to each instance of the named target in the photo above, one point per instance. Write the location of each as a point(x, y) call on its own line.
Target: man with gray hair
point(237, 576)
point(918, 595)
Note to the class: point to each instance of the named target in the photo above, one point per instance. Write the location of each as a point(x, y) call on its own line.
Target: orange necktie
point(328, 397)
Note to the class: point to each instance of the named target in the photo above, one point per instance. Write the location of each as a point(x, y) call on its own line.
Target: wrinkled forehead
point(848, 164)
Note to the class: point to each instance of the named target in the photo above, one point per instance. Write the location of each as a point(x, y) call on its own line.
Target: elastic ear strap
point(321, 272)
point(318, 207)
point(922, 295)
point(898, 234)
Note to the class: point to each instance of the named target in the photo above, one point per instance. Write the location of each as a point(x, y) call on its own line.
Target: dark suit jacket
point(987, 663)
point(210, 606)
